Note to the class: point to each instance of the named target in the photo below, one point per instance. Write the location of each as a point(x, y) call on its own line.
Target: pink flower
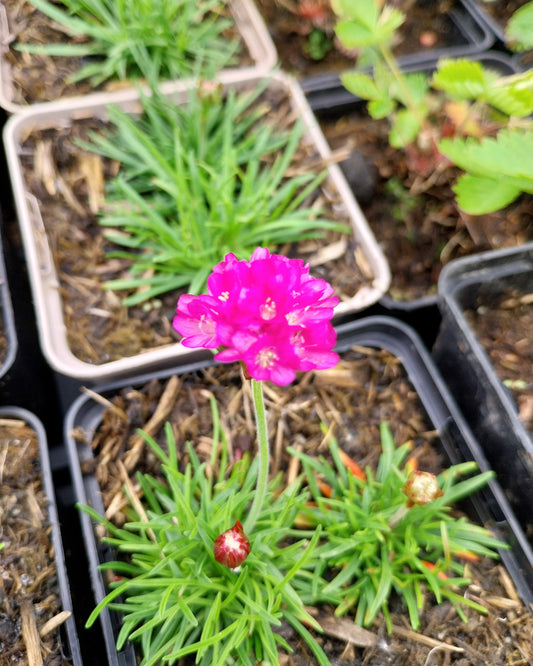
point(232, 547)
point(268, 313)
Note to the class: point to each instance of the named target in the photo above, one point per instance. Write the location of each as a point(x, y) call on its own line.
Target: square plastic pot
point(248, 23)
point(67, 633)
point(489, 507)
point(465, 365)
point(42, 273)
point(468, 33)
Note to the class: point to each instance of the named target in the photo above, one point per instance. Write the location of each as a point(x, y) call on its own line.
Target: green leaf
point(519, 30)
point(508, 157)
point(404, 130)
point(365, 12)
point(353, 35)
point(361, 85)
point(463, 79)
point(381, 108)
point(478, 195)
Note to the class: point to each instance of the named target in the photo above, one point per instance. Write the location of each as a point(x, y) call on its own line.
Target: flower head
point(232, 547)
point(268, 313)
point(421, 488)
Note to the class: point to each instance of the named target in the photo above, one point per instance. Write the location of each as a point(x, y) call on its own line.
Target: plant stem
point(264, 456)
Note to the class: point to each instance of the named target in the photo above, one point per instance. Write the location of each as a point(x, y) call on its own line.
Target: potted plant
point(36, 610)
point(423, 126)
point(362, 266)
point(53, 51)
point(486, 310)
point(384, 374)
point(304, 37)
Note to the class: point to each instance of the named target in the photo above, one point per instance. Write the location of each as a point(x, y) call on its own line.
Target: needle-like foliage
point(200, 180)
point(120, 39)
point(374, 544)
point(174, 597)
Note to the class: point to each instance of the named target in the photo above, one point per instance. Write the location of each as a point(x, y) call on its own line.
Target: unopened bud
point(232, 547)
point(421, 488)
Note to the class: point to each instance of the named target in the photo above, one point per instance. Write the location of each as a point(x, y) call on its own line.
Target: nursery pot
point(249, 25)
point(43, 274)
point(308, 49)
point(368, 336)
point(41, 530)
point(478, 284)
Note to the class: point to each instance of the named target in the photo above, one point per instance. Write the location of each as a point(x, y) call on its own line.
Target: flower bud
point(232, 547)
point(421, 488)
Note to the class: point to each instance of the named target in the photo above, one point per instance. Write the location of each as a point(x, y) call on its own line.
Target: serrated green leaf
point(508, 156)
point(519, 30)
point(404, 129)
point(353, 35)
point(381, 108)
point(365, 12)
point(512, 100)
point(361, 85)
point(463, 79)
point(478, 195)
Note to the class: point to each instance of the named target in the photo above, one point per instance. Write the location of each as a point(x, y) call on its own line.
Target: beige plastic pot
point(42, 273)
point(248, 22)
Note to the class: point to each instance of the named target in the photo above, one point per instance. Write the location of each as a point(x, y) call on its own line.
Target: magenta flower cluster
point(268, 312)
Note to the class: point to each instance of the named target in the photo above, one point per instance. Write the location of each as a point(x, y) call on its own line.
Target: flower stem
point(264, 456)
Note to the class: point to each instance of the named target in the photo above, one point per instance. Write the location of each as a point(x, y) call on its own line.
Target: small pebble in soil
point(361, 175)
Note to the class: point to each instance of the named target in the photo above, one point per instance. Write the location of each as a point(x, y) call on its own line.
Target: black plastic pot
point(487, 404)
point(478, 8)
point(7, 322)
point(466, 34)
point(67, 634)
point(489, 507)
point(472, 37)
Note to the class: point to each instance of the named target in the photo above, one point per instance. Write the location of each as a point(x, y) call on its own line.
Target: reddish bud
point(232, 547)
point(421, 488)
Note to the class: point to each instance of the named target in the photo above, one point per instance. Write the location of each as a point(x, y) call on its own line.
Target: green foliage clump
point(373, 546)
point(199, 180)
point(174, 597)
point(169, 39)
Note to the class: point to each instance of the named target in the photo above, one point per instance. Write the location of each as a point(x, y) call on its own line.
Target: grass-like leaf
point(167, 39)
point(373, 545)
point(174, 597)
point(200, 180)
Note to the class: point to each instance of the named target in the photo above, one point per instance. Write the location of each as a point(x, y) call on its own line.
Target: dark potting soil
point(29, 598)
point(504, 327)
point(368, 386)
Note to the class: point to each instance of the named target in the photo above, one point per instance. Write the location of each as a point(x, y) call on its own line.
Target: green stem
point(264, 456)
point(397, 73)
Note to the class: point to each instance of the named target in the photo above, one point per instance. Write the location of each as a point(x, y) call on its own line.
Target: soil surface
point(367, 387)
point(28, 580)
point(303, 32)
point(504, 327)
point(66, 179)
point(408, 200)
